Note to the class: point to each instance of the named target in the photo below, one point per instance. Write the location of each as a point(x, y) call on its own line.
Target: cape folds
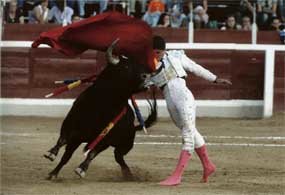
point(98, 32)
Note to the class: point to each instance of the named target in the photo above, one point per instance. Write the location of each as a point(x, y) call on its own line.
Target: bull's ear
point(112, 59)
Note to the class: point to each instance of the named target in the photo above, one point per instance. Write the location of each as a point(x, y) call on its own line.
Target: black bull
point(95, 108)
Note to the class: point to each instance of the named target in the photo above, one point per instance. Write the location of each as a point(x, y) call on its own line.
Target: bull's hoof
point(127, 174)
point(50, 156)
point(80, 172)
point(51, 176)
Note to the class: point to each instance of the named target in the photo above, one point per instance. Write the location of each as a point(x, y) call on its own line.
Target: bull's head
point(128, 73)
point(112, 59)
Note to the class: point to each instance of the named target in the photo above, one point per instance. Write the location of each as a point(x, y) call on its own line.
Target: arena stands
point(212, 13)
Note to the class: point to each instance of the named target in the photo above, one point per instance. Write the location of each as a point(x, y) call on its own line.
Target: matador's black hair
point(158, 42)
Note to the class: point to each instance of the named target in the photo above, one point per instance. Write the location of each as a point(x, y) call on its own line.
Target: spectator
point(39, 15)
point(245, 8)
point(171, 3)
point(186, 13)
point(60, 14)
point(13, 14)
point(82, 6)
point(27, 6)
point(137, 8)
point(177, 18)
point(195, 3)
point(137, 3)
point(275, 24)
point(155, 8)
point(151, 18)
point(231, 24)
point(164, 20)
point(246, 23)
point(201, 17)
point(203, 3)
point(266, 10)
point(186, 10)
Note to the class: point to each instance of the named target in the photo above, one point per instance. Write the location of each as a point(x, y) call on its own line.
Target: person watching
point(39, 14)
point(13, 14)
point(231, 24)
point(164, 20)
point(246, 23)
point(266, 10)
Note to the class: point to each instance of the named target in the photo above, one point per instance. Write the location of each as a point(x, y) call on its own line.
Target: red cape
point(98, 32)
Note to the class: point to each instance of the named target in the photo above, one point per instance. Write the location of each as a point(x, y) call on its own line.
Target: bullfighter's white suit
point(170, 77)
point(180, 101)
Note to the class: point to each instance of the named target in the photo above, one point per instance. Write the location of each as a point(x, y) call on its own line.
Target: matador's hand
point(223, 81)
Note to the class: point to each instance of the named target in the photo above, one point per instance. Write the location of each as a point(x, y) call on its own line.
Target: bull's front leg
point(52, 153)
point(82, 168)
point(70, 148)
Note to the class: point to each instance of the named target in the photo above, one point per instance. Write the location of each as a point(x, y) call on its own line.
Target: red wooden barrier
point(33, 71)
point(30, 73)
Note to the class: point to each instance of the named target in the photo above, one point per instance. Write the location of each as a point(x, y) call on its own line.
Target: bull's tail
point(152, 118)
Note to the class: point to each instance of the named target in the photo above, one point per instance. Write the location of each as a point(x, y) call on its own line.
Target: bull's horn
point(109, 54)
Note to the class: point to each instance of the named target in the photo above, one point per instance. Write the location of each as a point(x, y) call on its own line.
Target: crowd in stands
point(237, 14)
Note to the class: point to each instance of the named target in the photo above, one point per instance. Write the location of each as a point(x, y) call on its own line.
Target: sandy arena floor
point(249, 154)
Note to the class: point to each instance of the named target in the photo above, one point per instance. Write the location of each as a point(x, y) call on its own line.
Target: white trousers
point(182, 109)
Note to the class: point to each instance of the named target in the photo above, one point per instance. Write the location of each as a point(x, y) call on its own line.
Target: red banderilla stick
point(106, 131)
point(70, 86)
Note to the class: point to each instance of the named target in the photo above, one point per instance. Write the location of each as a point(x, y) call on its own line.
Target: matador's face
point(159, 54)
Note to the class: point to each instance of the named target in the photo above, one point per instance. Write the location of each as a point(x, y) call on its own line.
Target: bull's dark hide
point(95, 108)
